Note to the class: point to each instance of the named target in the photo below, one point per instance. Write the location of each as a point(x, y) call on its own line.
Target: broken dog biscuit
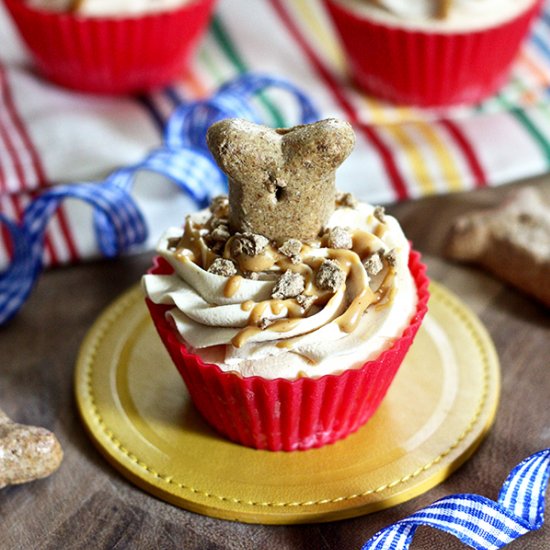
point(511, 241)
point(274, 173)
point(26, 452)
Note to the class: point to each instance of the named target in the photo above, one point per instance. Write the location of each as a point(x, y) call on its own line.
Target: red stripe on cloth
point(37, 167)
point(7, 242)
point(468, 151)
point(332, 84)
point(22, 133)
point(11, 151)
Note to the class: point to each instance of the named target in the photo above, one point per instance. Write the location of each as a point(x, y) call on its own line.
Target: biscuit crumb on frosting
point(373, 264)
point(265, 322)
point(220, 233)
point(339, 237)
point(305, 301)
point(391, 258)
point(289, 285)
point(329, 276)
point(219, 206)
point(291, 249)
point(379, 213)
point(250, 244)
point(223, 267)
point(346, 200)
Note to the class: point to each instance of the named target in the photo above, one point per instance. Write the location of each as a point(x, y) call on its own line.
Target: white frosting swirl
point(463, 15)
point(100, 8)
point(217, 324)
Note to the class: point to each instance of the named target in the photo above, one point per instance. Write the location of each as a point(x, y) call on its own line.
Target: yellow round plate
point(137, 411)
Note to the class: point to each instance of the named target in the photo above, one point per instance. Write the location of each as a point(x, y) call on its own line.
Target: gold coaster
point(137, 411)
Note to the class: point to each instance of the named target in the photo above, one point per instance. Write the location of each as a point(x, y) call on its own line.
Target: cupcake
point(286, 307)
point(431, 52)
point(114, 46)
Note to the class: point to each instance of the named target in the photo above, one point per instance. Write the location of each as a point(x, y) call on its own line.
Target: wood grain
point(87, 504)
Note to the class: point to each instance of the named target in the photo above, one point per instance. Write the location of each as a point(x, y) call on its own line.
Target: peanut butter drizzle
point(364, 243)
point(283, 325)
point(244, 335)
point(380, 230)
point(284, 344)
point(257, 313)
point(248, 305)
point(384, 294)
point(349, 320)
point(192, 241)
point(443, 8)
point(232, 286)
point(351, 263)
point(261, 262)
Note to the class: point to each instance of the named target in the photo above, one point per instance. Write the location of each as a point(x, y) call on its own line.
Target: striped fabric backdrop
point(49, 135)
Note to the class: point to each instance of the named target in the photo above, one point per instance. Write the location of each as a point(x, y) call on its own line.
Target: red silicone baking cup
point(289, 415)
point(426, 68)
point(110, 54)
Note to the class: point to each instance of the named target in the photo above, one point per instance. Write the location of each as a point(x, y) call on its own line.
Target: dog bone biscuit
point(511, 241)
point(26, 452)
point(281, 181)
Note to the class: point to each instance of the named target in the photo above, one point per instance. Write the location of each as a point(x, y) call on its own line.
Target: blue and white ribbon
point(477, 521)
point(119, 224)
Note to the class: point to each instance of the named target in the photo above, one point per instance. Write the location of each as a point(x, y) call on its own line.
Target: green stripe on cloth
point(230, 50)
point(519, 114)
point(536, 134)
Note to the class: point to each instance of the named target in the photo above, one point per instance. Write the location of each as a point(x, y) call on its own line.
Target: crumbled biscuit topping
point(329, 276)
point(291, 249)
point(220, 206)
point(373, 264)
point(303, 272)
point(220, 233)
point(289, 285)
point(265, 322)
point(390, 258)
point(339, 237)
point(223, 267)
point(379, 214)
point(305, 301)
point(250, 244)
point(346, 200)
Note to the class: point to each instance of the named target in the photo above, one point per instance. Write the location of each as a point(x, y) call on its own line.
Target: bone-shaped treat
point(512, 241)
point(26, 452)
point(281, 182)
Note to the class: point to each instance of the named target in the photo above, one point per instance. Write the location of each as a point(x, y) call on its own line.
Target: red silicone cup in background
point(428, 68)
point(112, 55)
point(289, 415)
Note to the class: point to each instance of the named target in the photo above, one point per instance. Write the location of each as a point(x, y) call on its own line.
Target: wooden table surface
point(87, 504)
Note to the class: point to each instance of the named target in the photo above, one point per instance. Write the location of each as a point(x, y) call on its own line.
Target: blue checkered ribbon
point(477, 521)
point(118, 222)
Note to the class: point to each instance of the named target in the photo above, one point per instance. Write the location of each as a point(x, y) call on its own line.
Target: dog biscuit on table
point(26, 452)
point(511, 241)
